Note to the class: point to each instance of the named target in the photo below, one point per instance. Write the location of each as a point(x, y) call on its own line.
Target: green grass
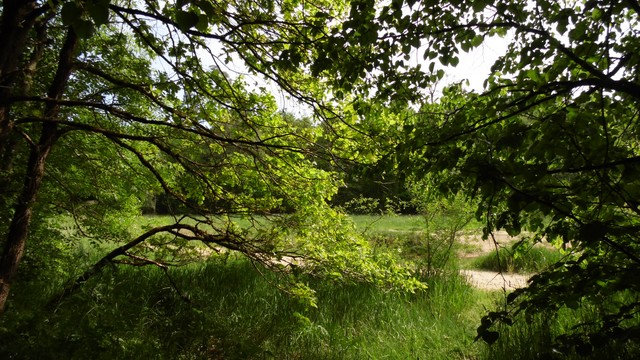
point(234, 313)
point(388, 223)
point(531, 260)
point(398, 223)
point(533, 339)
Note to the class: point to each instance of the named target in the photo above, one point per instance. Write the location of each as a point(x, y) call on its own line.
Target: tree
point(106, 103)
point(550, 147)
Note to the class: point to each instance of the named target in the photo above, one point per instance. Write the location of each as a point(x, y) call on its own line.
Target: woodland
point(155, 153)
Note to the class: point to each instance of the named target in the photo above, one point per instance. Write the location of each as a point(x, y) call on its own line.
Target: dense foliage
point(110, 107)
point(105, 105)
point(550, 147)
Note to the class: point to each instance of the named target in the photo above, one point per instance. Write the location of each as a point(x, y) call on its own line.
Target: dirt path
point(489, 280)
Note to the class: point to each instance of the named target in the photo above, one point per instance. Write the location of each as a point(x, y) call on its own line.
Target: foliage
point(109, 105)
point(117, 101)
point(550, 146)
point(225, 308)
point(444, 219)
point(535, 337)
point(366, 164)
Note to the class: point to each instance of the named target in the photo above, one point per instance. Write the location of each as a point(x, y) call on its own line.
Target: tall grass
point(533, 338)
point(223, 308)
point(233, 312)
point(366, 323)
point(531, 260)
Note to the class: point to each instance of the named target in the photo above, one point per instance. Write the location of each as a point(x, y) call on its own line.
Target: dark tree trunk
point(19, 228)
point(15, 25)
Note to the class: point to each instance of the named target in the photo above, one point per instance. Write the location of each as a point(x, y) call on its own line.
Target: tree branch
point(122, 114)
point(608, 165)
point(121, 250)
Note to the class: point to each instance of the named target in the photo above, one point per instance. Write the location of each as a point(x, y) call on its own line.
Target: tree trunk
point(15, 25)
point(19, 228)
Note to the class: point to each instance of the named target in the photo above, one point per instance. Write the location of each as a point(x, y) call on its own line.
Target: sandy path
point(489, 280)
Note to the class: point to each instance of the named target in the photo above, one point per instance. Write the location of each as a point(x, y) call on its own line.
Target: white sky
point(475, 66)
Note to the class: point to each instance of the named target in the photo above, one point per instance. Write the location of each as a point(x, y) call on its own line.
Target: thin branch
point(200, 131)
point(107, 259)
point(629, 253)
point(627, 161)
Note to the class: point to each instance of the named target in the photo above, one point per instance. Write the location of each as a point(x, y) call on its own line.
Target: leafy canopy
point(111, 106)
point(550, 147)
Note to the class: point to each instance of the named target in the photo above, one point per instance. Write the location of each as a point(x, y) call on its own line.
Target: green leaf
point(208, 9)
point(596, 14)
point(478, 5)
point(490, 337)
point(84, 28)
point(186, 19)
point(533, 75)
point(70, 13)
point(477, 40)
point(203, 23)
point(98, 11)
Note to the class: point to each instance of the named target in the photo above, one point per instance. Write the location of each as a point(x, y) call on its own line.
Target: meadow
point(226, 307)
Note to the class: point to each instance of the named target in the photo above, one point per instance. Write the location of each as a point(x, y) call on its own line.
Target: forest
point(299, 179)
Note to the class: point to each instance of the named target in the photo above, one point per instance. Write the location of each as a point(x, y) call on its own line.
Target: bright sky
point(475, 65)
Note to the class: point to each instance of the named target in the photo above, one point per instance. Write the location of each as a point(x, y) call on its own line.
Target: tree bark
point(15, 26)
point(19, 228)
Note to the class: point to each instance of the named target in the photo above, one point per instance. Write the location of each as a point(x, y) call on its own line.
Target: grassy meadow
point(227, 308)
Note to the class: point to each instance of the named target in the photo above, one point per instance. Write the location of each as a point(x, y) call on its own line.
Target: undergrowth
point(227, 310)
point(532, 338)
